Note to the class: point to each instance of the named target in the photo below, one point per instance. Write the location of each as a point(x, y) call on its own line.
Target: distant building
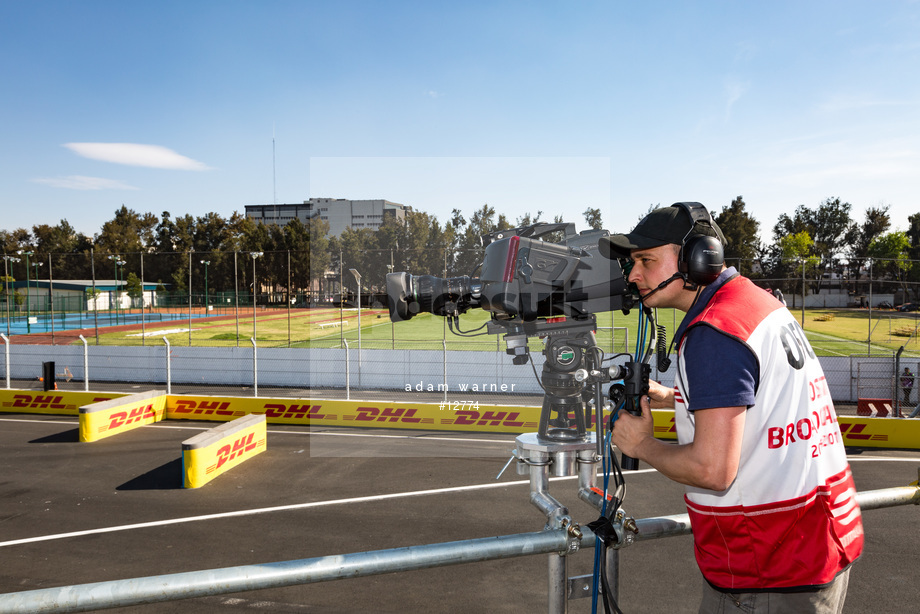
point(340, 213)
point(77, 295)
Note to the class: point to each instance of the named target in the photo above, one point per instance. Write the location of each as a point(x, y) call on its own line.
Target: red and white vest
point(790, 519)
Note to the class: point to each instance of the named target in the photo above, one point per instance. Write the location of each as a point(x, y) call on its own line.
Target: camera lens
point(408, 295)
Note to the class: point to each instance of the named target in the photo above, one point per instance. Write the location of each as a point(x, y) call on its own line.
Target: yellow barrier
point(207, 455)
point(100, 420)
point(58, 402)
point(856, 431)
point(403, 415)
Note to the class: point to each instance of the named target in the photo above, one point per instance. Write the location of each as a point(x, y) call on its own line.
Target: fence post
point(168, 367)
point(444, 341)
point(895, 386)
point(6, 342)
point(85, 364)
point(255, 368)
point(347, 372)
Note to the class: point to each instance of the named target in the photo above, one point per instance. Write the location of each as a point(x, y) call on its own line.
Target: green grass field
point(832, 332)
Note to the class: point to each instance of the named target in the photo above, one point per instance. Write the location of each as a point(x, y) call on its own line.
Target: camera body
point(522, 277)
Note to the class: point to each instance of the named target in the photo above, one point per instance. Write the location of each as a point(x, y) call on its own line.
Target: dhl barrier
point(856, 431)
point(207, 455)
point(58, 403)
point(100, 420)
point(402, 415)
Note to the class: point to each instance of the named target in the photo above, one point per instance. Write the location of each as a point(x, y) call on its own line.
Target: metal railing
point(209, 582)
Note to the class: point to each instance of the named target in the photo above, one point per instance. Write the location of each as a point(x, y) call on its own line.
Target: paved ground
point(52, 485)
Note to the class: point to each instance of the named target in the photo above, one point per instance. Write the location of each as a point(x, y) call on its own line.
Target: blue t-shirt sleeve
point(721, 371)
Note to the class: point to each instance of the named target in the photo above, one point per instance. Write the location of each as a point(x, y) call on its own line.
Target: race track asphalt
point(69, 513)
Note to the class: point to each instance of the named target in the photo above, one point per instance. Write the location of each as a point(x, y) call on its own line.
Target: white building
point(340, 213)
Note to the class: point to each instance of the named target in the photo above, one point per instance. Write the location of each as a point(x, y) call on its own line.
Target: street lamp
point(6, 279)
point(358, 279)
point(254, 296)
point(28, 296)
point(36, 266)
point(118, 262)
point(390, 268)
point(206, 263)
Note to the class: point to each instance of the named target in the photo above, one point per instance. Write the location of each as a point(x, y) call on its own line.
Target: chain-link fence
point(486, 376)
point(286, 299)
point(224, 319)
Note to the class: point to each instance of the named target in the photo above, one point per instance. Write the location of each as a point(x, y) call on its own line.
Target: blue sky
point(526, 106)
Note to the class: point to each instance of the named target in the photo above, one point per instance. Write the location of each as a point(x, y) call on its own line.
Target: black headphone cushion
point(701, 259)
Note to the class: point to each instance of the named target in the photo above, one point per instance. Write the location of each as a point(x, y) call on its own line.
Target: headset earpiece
point(701, 256)
point(701, 259)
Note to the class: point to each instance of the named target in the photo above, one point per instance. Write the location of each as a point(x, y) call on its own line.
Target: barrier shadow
point(68, 436)
point(164, 477)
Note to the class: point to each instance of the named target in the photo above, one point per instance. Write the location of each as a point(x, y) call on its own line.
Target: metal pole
point(143, 305)
point(6, 293)
point(236, 295)
point(85, 364)
point(51, 296)
point(255, 297)
point(6, 342)
point(92, 264)
point(347, 372)
point(803, 294)
point(289, 296)
point(168, 366)
point(255, 368)
point(28, 296)
point(895, 385)
point(6, 270)
point(869, 341)
point(153, 589)
point(190, 298)
point(188, 585)
point(557, 572)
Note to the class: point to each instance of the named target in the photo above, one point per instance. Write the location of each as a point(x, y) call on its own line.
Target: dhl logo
point(238, 448)
point(298, 412)
point(206, 408)
point(38, 401)
point(507, 419)
point(855, 431)
point(124, 418)
point(389, 414)
point(671, 428)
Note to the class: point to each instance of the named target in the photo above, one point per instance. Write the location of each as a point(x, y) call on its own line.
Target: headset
point(701, 256)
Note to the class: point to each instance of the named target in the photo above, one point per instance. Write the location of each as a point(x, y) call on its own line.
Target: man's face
point(651, 267)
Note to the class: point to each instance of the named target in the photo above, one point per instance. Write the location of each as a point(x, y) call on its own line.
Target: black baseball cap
point(662, 226)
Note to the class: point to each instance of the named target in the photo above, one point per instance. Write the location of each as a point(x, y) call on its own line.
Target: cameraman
point(768, 487)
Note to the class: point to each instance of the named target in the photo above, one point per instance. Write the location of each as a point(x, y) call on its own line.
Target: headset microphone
point(664, 284)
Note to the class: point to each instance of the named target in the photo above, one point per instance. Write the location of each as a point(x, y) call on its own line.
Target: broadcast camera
point(535, 288)
point(522, 278)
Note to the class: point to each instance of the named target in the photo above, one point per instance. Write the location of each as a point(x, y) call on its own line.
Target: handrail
point(153, 589)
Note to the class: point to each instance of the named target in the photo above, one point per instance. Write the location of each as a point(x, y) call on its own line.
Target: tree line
point(816, 244)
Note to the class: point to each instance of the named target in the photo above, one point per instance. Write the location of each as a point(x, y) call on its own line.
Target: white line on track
point(283, 508)
point(316, 504)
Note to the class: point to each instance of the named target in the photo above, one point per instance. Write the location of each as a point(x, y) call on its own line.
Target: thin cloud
point(840, 103)
point(80, 182)
point(734, 90)
point(136, 154)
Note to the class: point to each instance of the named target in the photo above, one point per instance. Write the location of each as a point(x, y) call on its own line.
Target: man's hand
point(630, 432)
point(661, 397)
